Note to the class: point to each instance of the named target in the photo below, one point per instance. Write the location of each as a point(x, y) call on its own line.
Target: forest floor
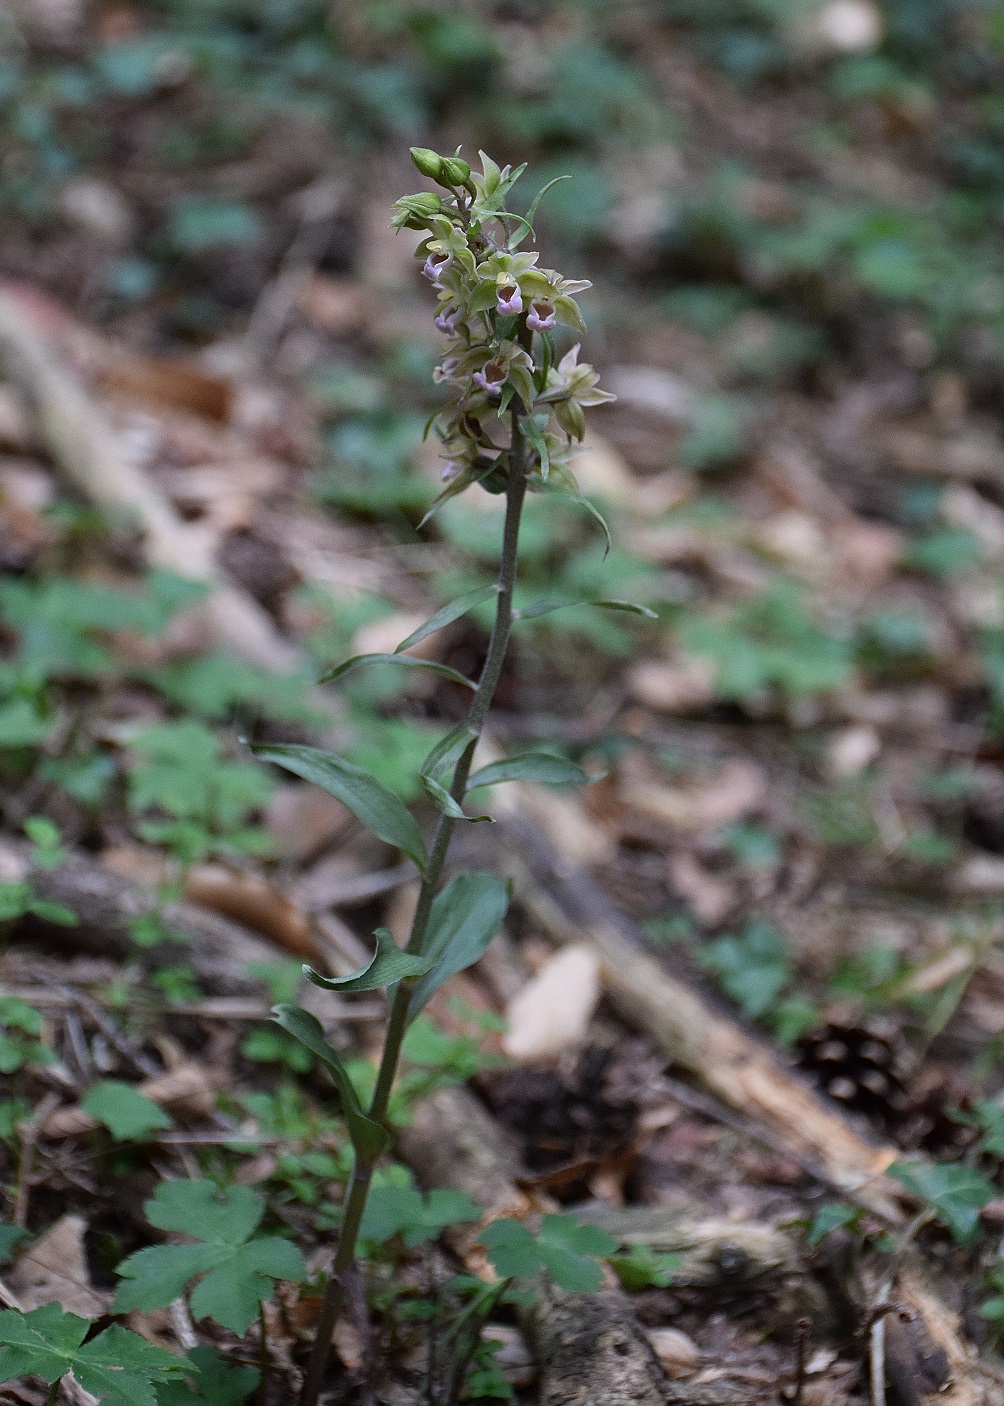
point(751, 967)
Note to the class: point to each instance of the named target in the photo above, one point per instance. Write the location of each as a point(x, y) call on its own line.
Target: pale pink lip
point(541, 317)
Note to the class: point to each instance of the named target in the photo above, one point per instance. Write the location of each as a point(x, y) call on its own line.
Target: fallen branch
point(87, 452)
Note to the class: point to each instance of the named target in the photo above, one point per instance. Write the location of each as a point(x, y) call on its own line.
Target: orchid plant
point(511, 424)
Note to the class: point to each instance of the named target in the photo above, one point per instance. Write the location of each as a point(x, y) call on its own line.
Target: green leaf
point(406, 659)
point(368, 1137)
point(447, 751)
point(464, 918)
point(217, 1382)
point(955, 1193)
point(833, 1216)
point(118, 1366)
point(548, 606)
point(238, 1266)
point(123, 1110)
point(446, 616)
point(368, 799)
point(534, 434)
point(401, 1210)
point(564, 1248)
point(445, 802)
point(753, 968)
point(387, 966)
point(531, 766)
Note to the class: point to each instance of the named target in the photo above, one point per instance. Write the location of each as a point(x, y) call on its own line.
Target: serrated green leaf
point(123, 1110)
point(217, 1382)
point(402, 1210)
point(446, 616)
point(369, 800)
point(531, 766)
point(157, 1275)
point(231, 1293)
point(369, 1138)
point(201, 1209)
point(464, 918)
point(387, 966)
point(118, 1366)
point(512, 1250)
point(408, 660)
point(954, 1192)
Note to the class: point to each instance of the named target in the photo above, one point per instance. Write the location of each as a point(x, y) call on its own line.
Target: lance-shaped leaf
point(447, 751)
point(445, 802)
point(532, 766)
point(387, 966)
point(446, 616)
point(408, 660)
point(369, 1138)
point(464, 918)
point(566, 480)
point(368, 799)
point(547, 607)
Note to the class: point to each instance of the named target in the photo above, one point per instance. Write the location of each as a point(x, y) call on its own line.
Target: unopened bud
point(415, 211)
point(455, 171)
point(430, 163)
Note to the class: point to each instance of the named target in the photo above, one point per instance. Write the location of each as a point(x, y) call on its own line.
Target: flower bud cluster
point(498, 309)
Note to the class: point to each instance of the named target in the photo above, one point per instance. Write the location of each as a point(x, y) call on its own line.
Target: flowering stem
point(355, 1202)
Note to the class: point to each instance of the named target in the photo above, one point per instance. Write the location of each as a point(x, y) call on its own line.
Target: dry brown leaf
point(302, 820)
point(349, 1346)
point(851, 750)
point(706, 804)
point(709, 898)
point(673, 685)
point(602, 471)
point(172, 382)
point(336, 306)
point(55, 1270)
point(252, 900)
point(679, 1355)
point(552, 1012)
point(186, 1089)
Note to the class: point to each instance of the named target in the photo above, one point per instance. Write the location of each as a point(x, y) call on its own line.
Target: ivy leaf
point(387, 966)
point(369, 1138)
point(117, 1366)
point(464, 918)
point(369, 800)
point(531, 766)
point(401, 1210)
point(955, 1193)
point(409, 660)
point(123, 1110)
point(563, 1248)
point(456, 608)
point(239, 1266)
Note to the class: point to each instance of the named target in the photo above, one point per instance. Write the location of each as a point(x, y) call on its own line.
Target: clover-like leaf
point(387, 966)
point(239, 1266)
point(369, 800)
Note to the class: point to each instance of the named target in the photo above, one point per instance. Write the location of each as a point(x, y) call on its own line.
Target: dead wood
point(88, 454)
point(218, 950)
point(737, 1067)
